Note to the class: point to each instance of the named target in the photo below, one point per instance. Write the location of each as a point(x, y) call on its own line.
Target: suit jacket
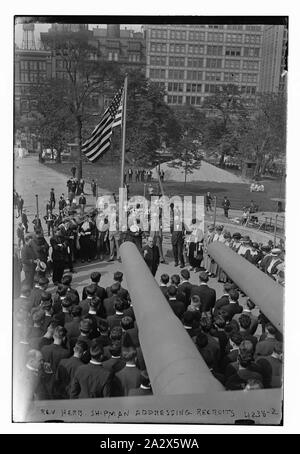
point(91, 380)
point(177, 237)
point(114, 364)
point(207, 296)
point(114, 320)
point(134, 335)
point(64, 375)
point(28, 256)
point(185, 288)
point(53, 354)
point(35, 296)
point(122, 293)
point(100, 292)
point(108, 304)
point(151, 256)
point(272, 370)
point(128, 378)
point(177, 307)
point(73, 328)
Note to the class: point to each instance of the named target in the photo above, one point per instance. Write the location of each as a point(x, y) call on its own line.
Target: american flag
point(99, 141)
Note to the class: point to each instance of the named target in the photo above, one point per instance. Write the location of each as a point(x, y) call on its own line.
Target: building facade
point(274, 46)
point(190, 61)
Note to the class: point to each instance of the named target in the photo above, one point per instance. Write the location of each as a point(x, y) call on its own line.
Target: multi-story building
point(274, 44)
point(190, 61)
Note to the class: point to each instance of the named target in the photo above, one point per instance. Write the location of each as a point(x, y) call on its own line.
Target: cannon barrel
point(173, 362)
point(260, 288)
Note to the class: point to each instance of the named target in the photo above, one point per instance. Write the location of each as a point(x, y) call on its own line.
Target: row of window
point(33, 65)
point(159, 73)
point(211, 36)
point(213, 77)
point(161, 60)
point(174, 99)
point(32, 77)
point(199, 49)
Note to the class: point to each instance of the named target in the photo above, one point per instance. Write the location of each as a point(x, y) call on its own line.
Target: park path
point(31, 178)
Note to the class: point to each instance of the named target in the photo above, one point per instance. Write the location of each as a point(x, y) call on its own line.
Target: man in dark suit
point(129, 327)
point(38, 290)
point(151, 255)
point(164, 280)
point(53, 353)
point(233, 307)
point(265, 347)
point(123, 293)
point(115, 320)
point(115, 363)
point(28, 258)
point(72, 327)
point(224, 300)
point(176, 305)
point(185, 287)
point(130, 376)
point(177, 240)
point(206, 293)
point(66, 370)
point(109, 302)
point(145, 386)
point(67, 280)
point(100, 291)
point(92, 379)
point(59, 257)
point(85, 304)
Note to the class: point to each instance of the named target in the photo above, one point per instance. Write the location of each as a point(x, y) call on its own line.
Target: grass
point(107, 176)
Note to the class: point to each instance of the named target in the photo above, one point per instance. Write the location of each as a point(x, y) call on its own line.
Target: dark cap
point(67, 279)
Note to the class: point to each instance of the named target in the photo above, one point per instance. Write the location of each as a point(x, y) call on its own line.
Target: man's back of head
point(164, 278)
point(172, 291)
point(95, 277)
point(234, 295)
point(115, 288)
point(203, 277)
point(118, 276)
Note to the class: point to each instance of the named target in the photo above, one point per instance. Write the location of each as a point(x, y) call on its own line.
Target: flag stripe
point(100, 139)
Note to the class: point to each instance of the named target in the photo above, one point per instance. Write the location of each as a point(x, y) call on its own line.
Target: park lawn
point(107, 176)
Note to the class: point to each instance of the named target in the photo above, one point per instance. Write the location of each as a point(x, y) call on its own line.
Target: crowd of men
point(68, 345)
point(137, 175)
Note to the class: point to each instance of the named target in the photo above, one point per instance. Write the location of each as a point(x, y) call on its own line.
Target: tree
point(186, 153)
point(85, 75)
point(150, 121)
point(227, 108)
point(263, 137)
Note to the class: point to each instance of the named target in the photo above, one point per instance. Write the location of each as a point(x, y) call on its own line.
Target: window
point(198, 100)
point(158, 60)
point(177, 48)
point(214, 50)
point(195, 62)
point(249, 77)
point(213, 63)
point(234, 37)
point(116, 56)
point(178, 34)
point(234, 64)
point(193, 88)
point(248, 90)
point(196, 36)
point(233, 51)
point(175, 86)
point(195, 49)
point(252, 39)
point(219, 37)
point(173, 99)
point(159, 33)
point(248, 64)
point(110, 56)
point(213, 76)
point(234, 27)
point(251, 51)
point(157, 73)
point(176, 61)
point(176, 74)
point(194, 75)
point(158, 47)
point(231, 77)
point(210, 88)
point(160, 85)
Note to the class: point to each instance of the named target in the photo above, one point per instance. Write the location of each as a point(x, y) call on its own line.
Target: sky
point(44, 28)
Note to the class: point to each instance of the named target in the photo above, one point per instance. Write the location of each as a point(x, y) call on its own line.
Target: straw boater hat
point(275, 251)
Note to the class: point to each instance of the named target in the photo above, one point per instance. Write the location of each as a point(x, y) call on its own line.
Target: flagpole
point(123, 133)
